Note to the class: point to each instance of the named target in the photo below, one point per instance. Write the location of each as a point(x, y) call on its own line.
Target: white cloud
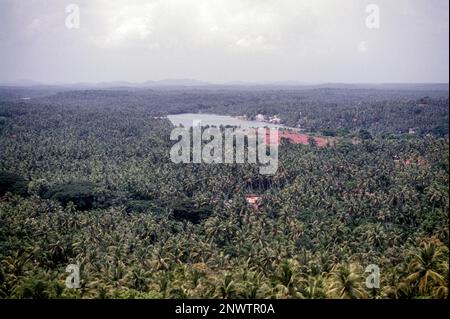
point(118, 25)
point(195, 24)
point(225, 40)
point(35, 24)
point(363, 47)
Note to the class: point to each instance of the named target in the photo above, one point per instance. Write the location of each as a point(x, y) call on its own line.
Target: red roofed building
point(253, 200)
point(295, 138)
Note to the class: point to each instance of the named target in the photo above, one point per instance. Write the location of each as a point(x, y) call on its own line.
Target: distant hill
point(167, 83)
point(179, 82)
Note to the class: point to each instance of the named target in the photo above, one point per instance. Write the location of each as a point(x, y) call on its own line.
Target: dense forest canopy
point(381, 111)
point(85, 177)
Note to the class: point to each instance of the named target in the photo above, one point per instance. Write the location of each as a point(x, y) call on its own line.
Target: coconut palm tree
point(346, 283)
point(426, 266)
point(226, 288)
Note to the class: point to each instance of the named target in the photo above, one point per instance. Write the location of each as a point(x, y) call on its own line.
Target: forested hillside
point(85, 177)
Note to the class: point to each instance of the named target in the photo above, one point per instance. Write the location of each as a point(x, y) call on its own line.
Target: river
point(188, 119)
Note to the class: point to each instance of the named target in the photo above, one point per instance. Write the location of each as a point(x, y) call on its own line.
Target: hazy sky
point(225, 40)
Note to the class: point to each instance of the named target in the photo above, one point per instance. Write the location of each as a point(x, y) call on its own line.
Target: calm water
point(187, 119)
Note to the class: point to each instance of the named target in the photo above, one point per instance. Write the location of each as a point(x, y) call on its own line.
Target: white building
point(260, 118)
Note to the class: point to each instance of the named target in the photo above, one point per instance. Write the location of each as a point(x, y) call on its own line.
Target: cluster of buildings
point(271, 119)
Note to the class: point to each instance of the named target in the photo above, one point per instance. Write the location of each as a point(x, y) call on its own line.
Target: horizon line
point(196, 82)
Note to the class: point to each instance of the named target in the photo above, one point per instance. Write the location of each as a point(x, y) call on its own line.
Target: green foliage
point(140, 206)
point(189, 211)
point(143, 227)
point(14, 183)
point(82, 194)
point(134, 294)
point(364, 135)
point(329, 132)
